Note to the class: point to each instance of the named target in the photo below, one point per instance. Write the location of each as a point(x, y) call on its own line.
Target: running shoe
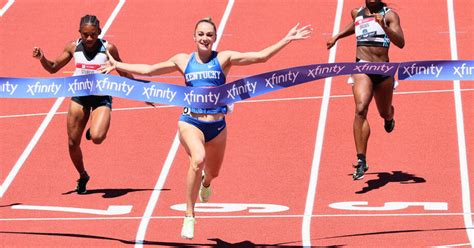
point(360, 170)
point(204, 192)
point(389, 125)
point(81, 184)
point(188, 227)
point(88, 134)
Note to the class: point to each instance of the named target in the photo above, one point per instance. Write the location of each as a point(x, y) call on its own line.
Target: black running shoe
point(389, 125)
point(360, 170)
point(81, 184)
point(88, 134)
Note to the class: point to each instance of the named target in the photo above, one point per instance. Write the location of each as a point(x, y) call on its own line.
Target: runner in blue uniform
point(89, 54)
point(203, 132)
point(375, 26)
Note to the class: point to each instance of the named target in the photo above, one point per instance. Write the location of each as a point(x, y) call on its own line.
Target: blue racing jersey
point(208, 74)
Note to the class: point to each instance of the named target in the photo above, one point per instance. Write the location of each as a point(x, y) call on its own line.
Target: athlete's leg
point(100, 123)
point(215, 150)
point(192, 140)
point(383, 95)
point(363, 92)
point(77, 118)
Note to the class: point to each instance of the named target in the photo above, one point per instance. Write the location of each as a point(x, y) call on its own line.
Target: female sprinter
point(89, 54)
point(202, 131)
point(375, 26)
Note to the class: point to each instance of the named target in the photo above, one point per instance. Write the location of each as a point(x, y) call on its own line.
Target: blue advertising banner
point(170, 94)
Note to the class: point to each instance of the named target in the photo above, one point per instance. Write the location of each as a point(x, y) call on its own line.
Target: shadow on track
point(111, 193)
point(385, 178)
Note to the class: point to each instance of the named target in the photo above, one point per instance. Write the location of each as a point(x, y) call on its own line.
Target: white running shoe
point(188, 227)
point(204, 192)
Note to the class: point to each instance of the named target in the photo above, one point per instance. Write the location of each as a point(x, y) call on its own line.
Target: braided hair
point(90, 20)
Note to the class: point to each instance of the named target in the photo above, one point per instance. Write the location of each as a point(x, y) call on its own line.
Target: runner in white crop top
point(88, 54)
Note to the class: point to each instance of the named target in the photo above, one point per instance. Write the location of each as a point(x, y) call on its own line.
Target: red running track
point(271, 141)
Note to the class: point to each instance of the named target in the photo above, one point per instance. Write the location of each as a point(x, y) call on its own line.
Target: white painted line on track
point(466, 193)
point(453, 245)
point(24, 155)
point(313, 180)
point(111, 210)
point(6, 6)
point(150, 207)
point(31, 145)
point(269, 216)
point(140, 237)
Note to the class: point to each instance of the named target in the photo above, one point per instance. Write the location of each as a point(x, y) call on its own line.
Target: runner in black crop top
point(375, 26)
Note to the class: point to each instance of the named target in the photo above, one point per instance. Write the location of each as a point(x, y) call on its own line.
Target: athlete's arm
point(348, 30)
point(114, 52)
point(175, 63)
point(246, 58)
point(393, 29)
point(59, 62)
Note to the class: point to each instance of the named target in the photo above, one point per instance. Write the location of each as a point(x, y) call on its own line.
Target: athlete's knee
point(98, 139)
point(361, 110)
point(73, 143)
point(197, 161)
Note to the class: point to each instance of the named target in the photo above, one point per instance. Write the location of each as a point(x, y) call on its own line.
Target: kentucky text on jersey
point(203, 75)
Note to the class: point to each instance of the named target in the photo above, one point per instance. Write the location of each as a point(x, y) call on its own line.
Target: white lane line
point(466, 193)
point(313, 181)
point(140, 237)
point(150, 207)
point(269, 216)
point(29, 148)
point(5, 8)
point(453, 245)
point(111, 210)
point(24, 155)
point(112, 17)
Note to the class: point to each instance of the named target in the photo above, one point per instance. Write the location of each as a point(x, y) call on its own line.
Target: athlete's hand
point(379, 19)
point(331, 42)
point(106, 68)
point(299, 33)
point(109, 65)
point(37, 53)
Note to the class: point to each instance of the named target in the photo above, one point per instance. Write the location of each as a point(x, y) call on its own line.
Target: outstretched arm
point(246, 58)
point(59, 62)
point(171, 65)
point(348, 30)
